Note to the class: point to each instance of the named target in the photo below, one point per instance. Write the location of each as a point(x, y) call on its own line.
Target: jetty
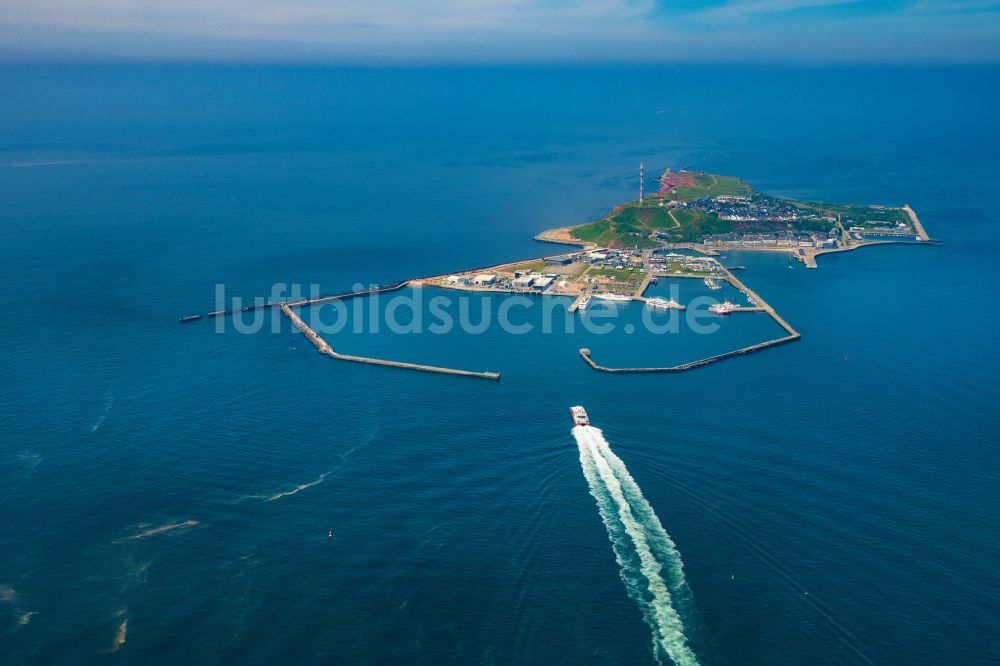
point(585, 354)
point(342, 296)
point(323, 347)
point(575, 305)
point(762, 305)
point(921, 234)
point(644, 285)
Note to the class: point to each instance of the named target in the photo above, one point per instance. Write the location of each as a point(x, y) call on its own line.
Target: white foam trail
point(633, 526)
point(98, 423)
point(299, 488)
point(162, 529)
point(108, 404)
point(662, 544)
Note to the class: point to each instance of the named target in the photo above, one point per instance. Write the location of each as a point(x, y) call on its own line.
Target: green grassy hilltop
point(691, 205)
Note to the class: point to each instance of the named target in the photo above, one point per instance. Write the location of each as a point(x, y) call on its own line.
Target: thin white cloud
point(741, 9)
point(483, 31)
point(268, 19)
point(952, 6)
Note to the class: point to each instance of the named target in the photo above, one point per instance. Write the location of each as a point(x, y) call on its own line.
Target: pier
point(644, 285)
point(762, 305)
point(809, 258)
point(585, 354)
point(921, 234)
point(323, 347)
point(342, 296)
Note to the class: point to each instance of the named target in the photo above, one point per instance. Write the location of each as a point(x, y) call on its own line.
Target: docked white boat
point(712, 284)
point(663, 304)
point(579, 415)
point(617, 298)
point(723, 308)
point(583, 303)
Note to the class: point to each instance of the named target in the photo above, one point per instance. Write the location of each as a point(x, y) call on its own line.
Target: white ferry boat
point(723, 308)
point(618, 298)
point(583, 303)
point(580, 417)
point(663, 304)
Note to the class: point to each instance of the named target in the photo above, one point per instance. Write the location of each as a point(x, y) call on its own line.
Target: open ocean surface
point(826, 512)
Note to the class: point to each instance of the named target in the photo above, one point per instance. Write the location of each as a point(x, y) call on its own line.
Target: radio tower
point(642, 181)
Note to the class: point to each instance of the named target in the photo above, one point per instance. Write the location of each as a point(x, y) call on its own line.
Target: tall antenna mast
point(642, 181)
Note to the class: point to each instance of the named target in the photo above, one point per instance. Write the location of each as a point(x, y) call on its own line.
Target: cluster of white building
point(534, 281)
point(697, 264)
point(617, 259)
point(523, 281)
point(772, 240)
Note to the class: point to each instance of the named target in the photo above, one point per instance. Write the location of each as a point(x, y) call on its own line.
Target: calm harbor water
point(166, 491)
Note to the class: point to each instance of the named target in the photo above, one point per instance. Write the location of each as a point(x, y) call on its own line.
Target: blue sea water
point(834, 501)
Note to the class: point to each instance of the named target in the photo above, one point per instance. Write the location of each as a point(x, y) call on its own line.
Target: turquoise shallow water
point(826, 511)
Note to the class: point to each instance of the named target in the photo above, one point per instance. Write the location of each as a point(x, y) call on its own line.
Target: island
point(676, 232)
point(708, 211)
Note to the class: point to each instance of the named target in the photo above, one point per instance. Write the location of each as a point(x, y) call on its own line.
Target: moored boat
point(618, 298)
point(723, 308)
point(663, 304)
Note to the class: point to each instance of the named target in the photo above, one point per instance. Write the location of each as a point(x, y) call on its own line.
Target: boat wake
point(651, 567)
point(162, 529)
point(108, 404)
point(299, 488)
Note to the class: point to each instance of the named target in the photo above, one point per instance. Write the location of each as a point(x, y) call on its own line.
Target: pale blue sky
point(504, 31)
